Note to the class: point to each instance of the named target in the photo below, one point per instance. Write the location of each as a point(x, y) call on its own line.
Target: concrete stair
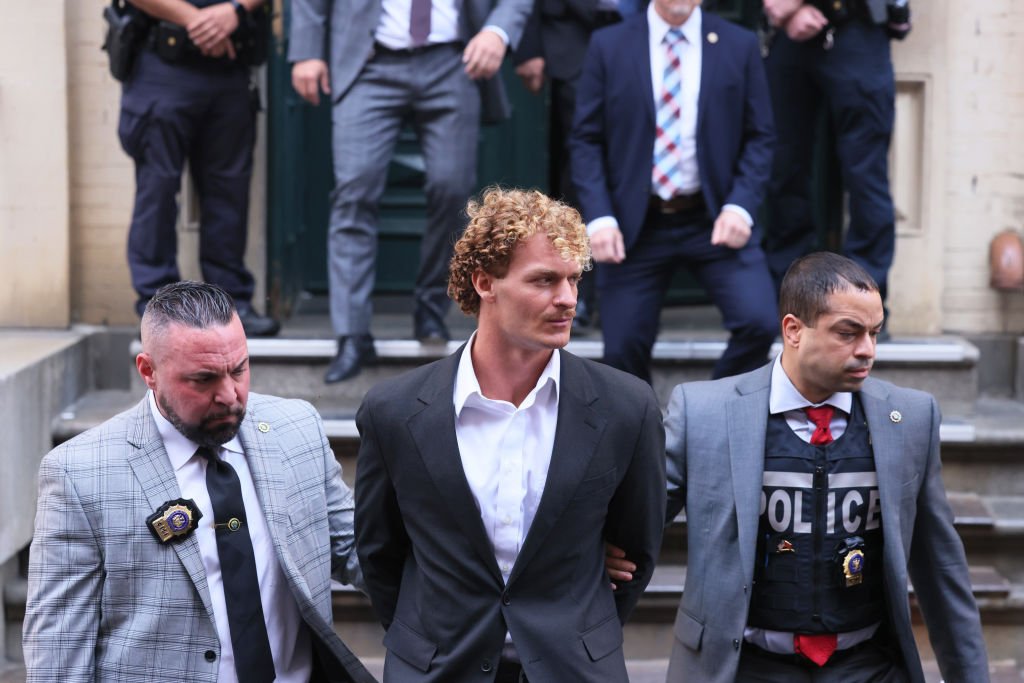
point(982, 442)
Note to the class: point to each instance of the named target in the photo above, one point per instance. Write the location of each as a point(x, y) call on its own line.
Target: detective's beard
point(202, 433)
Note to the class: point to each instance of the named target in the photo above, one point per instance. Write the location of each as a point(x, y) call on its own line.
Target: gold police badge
point(174, 520)
point(853, 566)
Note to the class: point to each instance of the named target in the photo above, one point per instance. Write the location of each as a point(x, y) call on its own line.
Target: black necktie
point(253, 659)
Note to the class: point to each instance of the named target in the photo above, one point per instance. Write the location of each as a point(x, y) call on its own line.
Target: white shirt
point(288, 634)
point(784, 398)
point(506, 451)
point(393, 28)
point(690, 56)
point(691, 61)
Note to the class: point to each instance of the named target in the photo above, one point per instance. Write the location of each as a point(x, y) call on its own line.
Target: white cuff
point(743, 213)
point(600, 224)
point(498, 30)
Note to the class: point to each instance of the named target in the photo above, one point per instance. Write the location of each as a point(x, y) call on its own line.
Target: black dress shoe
point(354, 351)
point(254, 324)
point(431, 330)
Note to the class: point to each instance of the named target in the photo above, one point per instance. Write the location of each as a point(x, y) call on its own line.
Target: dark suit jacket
point(612, 142)
point(558, 31)
point(430, 567)
point(715, 450)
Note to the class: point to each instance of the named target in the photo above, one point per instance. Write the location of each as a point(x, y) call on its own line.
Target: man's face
point(837, 353)
point(531, 308)
point(676, 12)
point(200, 379)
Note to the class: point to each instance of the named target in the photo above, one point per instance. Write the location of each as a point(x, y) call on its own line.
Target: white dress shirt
point(506, 451)
point(690, 56)
point(691, 60)
point(393, 28)
point(288, 634)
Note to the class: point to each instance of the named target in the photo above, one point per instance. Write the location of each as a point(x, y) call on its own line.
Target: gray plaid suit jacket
point(106, 602)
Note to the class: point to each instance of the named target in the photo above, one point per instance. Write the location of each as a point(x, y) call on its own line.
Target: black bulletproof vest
point(819, 552)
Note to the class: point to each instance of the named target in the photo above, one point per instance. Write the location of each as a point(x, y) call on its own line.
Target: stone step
point(666, 589)
point(648, 634)
point(639, 671)
point(944, 366)
point(994, 426)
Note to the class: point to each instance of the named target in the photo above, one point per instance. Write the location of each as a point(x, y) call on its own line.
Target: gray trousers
point(428, 89)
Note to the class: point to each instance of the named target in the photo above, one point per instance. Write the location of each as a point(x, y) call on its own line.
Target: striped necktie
point(666, 174)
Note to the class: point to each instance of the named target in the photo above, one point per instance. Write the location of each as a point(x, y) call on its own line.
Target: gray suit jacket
point(715, 434)
point(106, 602)
point(342, 34)
point(429, 564)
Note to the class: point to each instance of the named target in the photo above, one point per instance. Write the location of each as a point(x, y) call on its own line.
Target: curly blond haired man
point(489, 481)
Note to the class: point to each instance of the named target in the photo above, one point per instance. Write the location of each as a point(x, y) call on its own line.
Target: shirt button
point(504, 567)
point(507, 521)
point(210, 655)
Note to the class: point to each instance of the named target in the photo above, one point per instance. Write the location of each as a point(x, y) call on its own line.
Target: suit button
point(486, 666)
point(506, 599)
point(735, 643)
point(210, 655)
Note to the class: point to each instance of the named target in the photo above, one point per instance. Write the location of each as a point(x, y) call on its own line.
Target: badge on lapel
point(174, 520)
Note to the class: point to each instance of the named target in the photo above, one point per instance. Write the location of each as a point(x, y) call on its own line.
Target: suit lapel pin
point(712, 37)
point(263, 427)
point(895, 416)
point(174, 520)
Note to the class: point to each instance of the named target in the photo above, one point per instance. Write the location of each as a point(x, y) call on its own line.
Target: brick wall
point(102, 177)
point(985, 175)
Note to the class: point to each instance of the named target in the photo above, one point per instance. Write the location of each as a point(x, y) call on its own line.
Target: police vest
point(818, 567)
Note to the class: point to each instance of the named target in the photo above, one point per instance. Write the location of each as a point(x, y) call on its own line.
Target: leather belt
point(681, 202)
point(380, 48)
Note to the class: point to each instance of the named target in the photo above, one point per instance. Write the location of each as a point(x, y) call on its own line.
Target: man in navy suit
point(671, 153)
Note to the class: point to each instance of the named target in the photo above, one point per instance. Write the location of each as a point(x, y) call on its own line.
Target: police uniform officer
point(189, 98)
point(832, 54)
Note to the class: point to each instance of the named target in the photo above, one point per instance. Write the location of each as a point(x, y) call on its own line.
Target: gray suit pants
point(428, 89)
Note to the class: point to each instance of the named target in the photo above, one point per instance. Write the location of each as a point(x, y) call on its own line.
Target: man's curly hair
point(499, 220)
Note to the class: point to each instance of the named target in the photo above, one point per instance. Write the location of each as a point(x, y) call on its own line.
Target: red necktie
point(822, 419)
point(815, 648)
point(818, 648)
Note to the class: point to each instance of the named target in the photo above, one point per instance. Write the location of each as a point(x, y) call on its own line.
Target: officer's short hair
point(192, 304)
point(497, 223)
point(811, 280)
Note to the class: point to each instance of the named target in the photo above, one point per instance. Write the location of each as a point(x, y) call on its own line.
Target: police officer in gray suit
point(431, 63)
point(812, 494)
